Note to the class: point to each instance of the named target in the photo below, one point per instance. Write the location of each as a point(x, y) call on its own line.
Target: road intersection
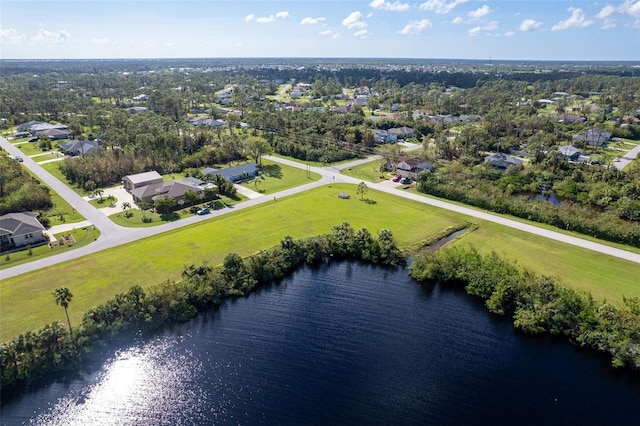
point(113, 235)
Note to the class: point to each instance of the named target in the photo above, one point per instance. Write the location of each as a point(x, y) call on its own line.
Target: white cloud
point(11, 37)
point(51, 37)
point(361, 33)
point(354, 20)
point(474, 15)
point(608, 13)
point(529, 25)
point(311, 21)
point(336, 36)
point(325, 32)
point(415, 27)
point(457, 20)
point(441, 6)
point(267, 19)
point(100, 41)
point(577, 20)
point(396, 6)
point(490, 26)
point(509, 34)
point(474, 31)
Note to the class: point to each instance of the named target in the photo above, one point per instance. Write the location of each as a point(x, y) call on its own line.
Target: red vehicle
point(397, 178)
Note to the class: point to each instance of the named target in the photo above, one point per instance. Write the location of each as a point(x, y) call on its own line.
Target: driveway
point(627, 158)
point(121, 195)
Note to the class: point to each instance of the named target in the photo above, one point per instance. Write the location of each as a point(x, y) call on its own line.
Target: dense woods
point(538, 303)
point(19, 191)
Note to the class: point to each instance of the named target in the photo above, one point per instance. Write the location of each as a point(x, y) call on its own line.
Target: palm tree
point(99, 192)
point(63, 297)
point(126, 206)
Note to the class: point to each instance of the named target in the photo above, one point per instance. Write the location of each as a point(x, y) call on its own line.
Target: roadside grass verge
point(276, 177)
point(31, 148)
point(368, 172)
point(26, 302)
point(82, 236)
point(133, 218)
point(62, 211)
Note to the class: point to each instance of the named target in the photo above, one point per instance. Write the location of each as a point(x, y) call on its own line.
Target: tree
point(165, 205)
point(257, 147)
point(362, 190)
point(63, 297)
point(99, 192)
point(126, 206)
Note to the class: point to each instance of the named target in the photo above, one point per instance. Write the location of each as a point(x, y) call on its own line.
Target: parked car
point(19, 158)
point(397, 178)
point(34, 139)
point(405, 180)
point(203, 211)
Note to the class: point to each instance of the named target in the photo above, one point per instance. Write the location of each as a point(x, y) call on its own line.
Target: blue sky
point(464, 29)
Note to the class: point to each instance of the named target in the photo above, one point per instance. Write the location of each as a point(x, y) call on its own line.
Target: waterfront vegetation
point(161, 257)
point(30, 356)
point(538, 303)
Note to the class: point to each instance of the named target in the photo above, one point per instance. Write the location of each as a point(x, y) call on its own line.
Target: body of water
point(346, 344)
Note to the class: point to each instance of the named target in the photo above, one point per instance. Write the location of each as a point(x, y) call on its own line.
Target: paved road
point(627, 158)
point(114, 235)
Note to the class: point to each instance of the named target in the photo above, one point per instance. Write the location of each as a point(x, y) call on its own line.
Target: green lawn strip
point(104, 202)
point(54, 169)
point(275, 177)
point(62, 211)
point(632, 249)
point(313, 163)
point(82, 236)
point(31, 148)
point(26, 302)
point(605, 277)
point(369, 172)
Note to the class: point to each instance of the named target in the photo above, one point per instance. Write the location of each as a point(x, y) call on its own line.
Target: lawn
point(82, 237)
point(277, 177)
point(54, 169)
point(30, 148)
point(26, 302)
point(368, 172)
point(134, 217)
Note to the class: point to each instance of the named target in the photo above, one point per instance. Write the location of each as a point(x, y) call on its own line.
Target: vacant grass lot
point(26, 302)
point(277, 177)
point(368, 172)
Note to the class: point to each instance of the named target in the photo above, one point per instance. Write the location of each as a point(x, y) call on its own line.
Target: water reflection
point(144, 385)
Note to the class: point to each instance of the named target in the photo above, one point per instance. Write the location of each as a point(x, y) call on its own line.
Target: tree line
point(538, 304)
point(31, 356)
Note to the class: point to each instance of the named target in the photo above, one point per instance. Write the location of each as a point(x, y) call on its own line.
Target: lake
point(346, 344)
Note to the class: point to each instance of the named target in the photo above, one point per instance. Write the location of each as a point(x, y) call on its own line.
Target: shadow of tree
point(170, 217)
point(272, 170)
point(370, 201)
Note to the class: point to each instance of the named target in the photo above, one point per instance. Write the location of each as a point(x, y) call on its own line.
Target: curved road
point(113, 235)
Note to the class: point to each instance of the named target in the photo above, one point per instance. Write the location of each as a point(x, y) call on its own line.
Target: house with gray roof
point(19, 230)
point(594, 137)
point(569, 152)
point(132, 182)
point(502, 161)
point(154, 192)
point(236, 173)
point(80, 147)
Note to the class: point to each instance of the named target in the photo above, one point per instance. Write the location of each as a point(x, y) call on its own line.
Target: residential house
point(211, 122)
point(383, 136)
point(236, 173)
point(132, 182)
point(402, 132)
point(594, 137)
point(19, 230)
point(156, 191)
point(412, 166)
point(80, 147)
point(570, 118)
point(54, 134)
point(137, 109)
point(569, 152)
point(502, 161)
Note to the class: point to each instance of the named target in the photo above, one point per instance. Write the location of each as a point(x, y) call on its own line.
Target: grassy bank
point(26, 302)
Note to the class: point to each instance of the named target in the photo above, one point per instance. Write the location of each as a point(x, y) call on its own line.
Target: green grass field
point(368, 172)
point(26, 302)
